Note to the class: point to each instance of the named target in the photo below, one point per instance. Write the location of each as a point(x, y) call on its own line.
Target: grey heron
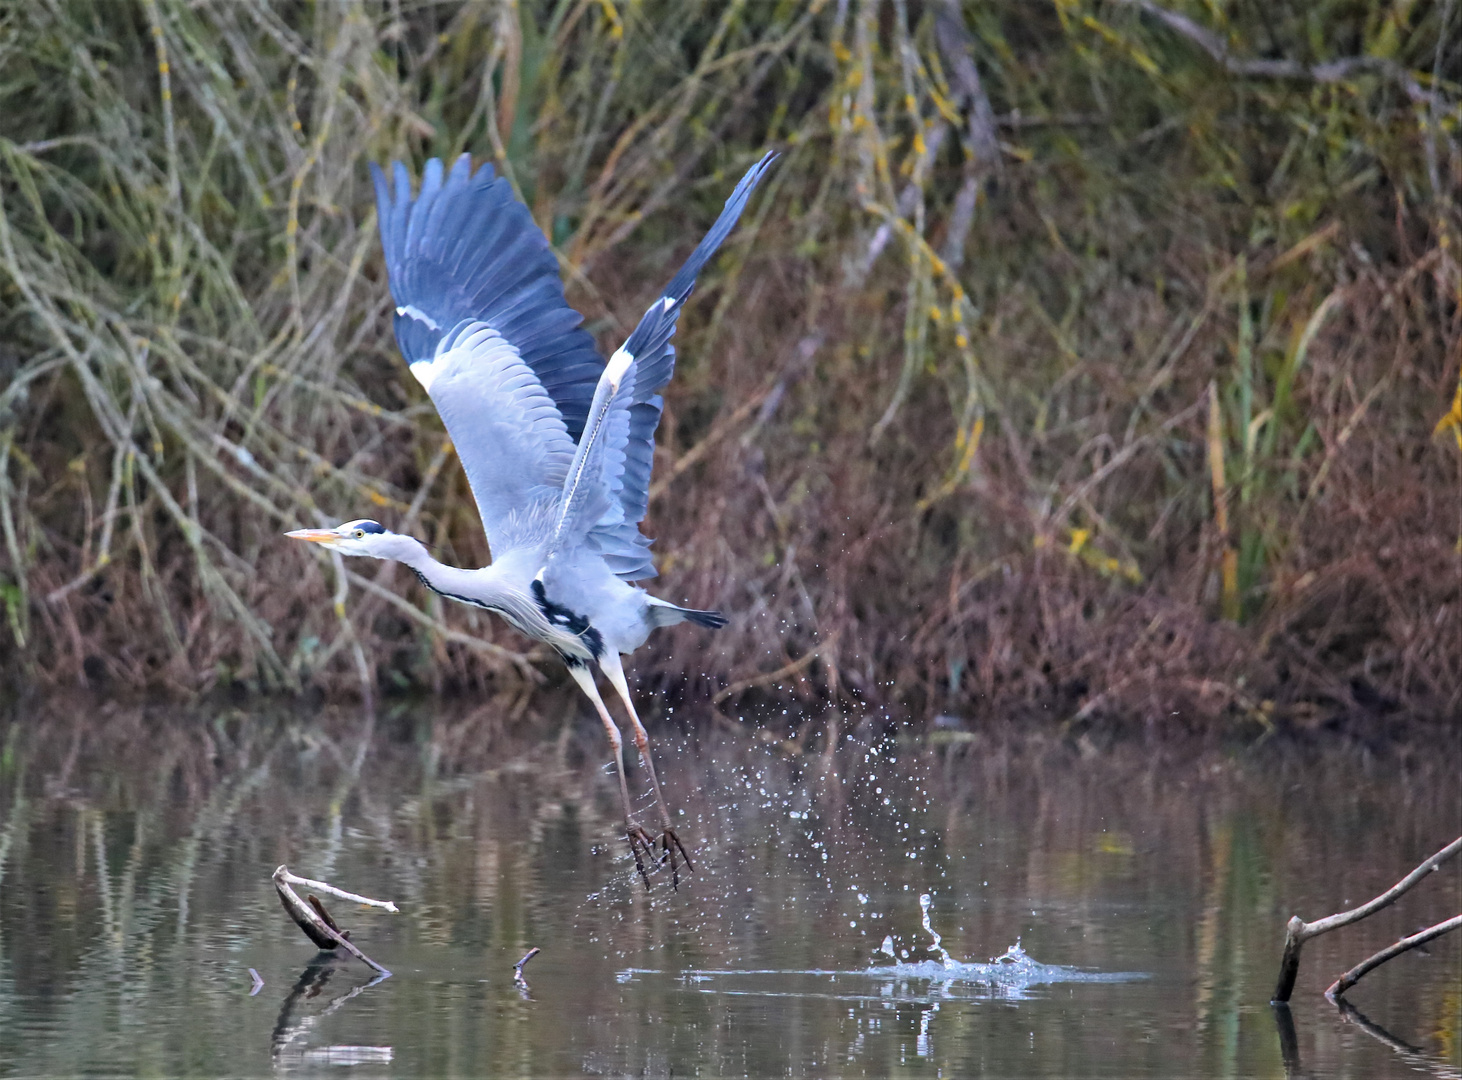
point(557, 444)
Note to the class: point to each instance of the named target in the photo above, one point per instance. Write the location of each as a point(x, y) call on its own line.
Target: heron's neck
point(435, 575)
point(487, 587)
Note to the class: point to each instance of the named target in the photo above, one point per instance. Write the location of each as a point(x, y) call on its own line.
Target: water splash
point(1013, 975)
point(1013, 955)
point(926, 901)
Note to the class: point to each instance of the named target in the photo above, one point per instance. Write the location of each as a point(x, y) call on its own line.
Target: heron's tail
point(664, 613)
point(712, 620)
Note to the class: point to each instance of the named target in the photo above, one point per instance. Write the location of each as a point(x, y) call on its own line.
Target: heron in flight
point(557, 445)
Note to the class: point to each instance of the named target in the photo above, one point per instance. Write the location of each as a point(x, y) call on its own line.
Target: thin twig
point(782, 672)
point(518, 979)
point(326, 887)
point(1406, 944)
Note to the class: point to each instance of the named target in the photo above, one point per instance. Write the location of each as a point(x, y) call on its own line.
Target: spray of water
point(926, 901)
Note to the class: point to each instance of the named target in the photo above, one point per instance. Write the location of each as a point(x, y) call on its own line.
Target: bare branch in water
point(1406, 944)
point(315, 921)
point(1298, 931)
point(518, 980)
point(331, 890)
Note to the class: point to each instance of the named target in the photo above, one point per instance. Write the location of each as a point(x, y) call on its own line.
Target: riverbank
point(1058, 371)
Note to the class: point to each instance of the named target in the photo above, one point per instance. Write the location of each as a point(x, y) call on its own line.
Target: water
point(1003, 906)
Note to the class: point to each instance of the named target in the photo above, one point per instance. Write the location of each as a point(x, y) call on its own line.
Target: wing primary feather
point(681, 284)
point(466, 249)
point(653, 333)
point(617, 534)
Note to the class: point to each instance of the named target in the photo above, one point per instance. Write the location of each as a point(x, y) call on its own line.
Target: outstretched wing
point(617, 534)
point(466, 249)
point(589, 497)
point(508, 432)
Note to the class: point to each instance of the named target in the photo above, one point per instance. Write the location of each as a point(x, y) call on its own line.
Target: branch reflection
point(294, 1022)
point(1414, 1056)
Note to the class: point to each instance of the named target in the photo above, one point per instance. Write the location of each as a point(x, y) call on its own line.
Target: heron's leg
point(637, 836)
point(613, 668)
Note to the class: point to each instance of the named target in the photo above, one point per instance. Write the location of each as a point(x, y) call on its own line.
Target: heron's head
point(362, 537)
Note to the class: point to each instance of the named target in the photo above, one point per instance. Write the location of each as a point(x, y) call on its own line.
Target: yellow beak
point(315, 536)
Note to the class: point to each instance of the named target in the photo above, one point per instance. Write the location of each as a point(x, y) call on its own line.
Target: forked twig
point(1297, 932)
point(1331, 71)
point(315, 921)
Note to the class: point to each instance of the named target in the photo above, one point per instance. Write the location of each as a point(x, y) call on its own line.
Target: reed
point(1080, 360)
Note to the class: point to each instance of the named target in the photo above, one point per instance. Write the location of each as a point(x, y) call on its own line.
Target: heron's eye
point(360, 534)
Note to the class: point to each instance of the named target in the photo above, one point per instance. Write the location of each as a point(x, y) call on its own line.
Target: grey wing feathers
point(618, 536)
point(590, 489)
point(466, 249)
point(481, 317)
point(508, 432)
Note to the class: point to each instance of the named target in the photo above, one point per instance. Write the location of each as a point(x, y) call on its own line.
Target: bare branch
point(325, 887)
point(957, 49)
point(1406, 944)
point(315, 921)
point(1297, 932)
point(518, 980)
point(1332, 71)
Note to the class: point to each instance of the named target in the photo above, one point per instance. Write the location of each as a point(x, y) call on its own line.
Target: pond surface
point(1110, 911)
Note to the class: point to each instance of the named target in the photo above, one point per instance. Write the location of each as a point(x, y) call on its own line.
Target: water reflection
point(300, 1015)
point(1414, 1056)
point(1289, 1040)
point(136, 848)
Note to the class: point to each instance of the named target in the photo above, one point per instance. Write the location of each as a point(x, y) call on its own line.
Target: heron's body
point(557, 445)
point(570, 604)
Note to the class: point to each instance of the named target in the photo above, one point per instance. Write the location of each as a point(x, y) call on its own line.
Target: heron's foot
point(642, 847)
point(670, 848)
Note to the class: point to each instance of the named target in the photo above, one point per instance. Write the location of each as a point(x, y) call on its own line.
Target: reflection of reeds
point(943, 414)
point(1166, 856)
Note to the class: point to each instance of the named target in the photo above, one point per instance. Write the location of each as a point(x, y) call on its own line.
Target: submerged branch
point(1406, 944)
point(315, 921)
point(1297, 932)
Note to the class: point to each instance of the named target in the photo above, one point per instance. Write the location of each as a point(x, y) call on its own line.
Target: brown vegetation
point(1083, 359)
